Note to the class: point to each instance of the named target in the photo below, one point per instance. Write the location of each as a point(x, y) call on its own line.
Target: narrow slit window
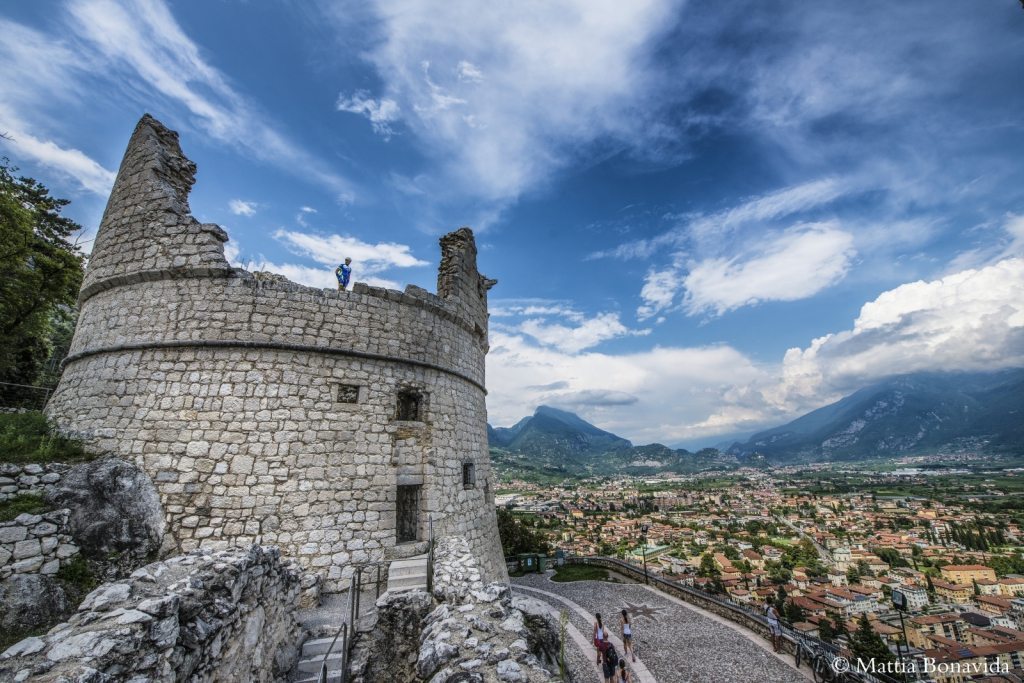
point(468, 475)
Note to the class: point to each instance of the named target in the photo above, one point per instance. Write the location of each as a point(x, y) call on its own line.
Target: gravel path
point(676, 642)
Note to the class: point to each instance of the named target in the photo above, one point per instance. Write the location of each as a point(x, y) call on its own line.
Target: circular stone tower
point(336, 425)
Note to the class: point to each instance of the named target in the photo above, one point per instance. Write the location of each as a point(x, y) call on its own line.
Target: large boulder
point(116, 518)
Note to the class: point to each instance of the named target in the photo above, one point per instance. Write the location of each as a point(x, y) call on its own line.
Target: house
point(966, 573)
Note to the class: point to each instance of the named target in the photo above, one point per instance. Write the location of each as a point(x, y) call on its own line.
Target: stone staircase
point(312, 658)
point(408, 574)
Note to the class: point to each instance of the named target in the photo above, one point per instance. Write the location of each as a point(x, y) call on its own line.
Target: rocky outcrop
point(115, 517)
point(222, 616)
point(478, 633)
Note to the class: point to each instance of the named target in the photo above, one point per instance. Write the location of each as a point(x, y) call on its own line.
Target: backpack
point(611, 656)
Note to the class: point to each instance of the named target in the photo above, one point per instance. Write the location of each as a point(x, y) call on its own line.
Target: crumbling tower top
point(147, 231)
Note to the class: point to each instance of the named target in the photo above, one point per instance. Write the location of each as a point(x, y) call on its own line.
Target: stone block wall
point(32, 478)
point(35, 544)
point(267, 412)
point(201, 617)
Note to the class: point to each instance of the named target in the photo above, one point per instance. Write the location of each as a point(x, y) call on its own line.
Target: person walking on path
point(774, 627)
point(599, 637)
point(344, 272)
point(623, 674)
point(627, 637)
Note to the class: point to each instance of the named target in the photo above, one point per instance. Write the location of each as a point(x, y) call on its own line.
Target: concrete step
point(415, 565)
point(312, 664)
point(407, 582)
point(319, 647)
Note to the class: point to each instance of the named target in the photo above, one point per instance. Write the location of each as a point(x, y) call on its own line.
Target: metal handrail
point(430, 554)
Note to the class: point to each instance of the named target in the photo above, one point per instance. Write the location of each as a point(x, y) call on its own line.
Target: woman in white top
point(599, 637)
point(627, 636)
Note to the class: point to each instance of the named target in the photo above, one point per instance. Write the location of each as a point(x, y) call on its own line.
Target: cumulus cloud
point(381, 113)
point(655, 395)
point(242, 208)
point(970, 320)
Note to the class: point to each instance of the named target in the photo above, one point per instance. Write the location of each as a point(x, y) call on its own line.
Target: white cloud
point(659, 291)
point(661, 394)
point(971, 320)
point(794, 265)
point(467, 71)
point(242, 208)
point(69, 162)
point(505, 99)
point(381, 113)
point(304, 211)
point(39, 71)
point(368, 260)
point(141, 41)
point(587, 333)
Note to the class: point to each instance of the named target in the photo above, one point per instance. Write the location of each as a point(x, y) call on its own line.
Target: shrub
point(28, 437)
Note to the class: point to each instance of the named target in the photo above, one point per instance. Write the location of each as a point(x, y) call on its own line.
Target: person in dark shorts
point(627, 637)
point(624, 676)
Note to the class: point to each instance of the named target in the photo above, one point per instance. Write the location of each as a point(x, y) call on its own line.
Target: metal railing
point(430, 555)
point(347, 631)
point(23, 396)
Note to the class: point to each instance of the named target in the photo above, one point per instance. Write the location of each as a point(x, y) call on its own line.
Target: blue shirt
point(344, 272)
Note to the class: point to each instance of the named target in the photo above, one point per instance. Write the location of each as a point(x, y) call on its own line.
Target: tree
point(40, 274)
point(826, 631)
point(866, 644)
point(708, 568)
point(517, 538)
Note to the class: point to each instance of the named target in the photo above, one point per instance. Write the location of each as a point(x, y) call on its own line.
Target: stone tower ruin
point(334, 425)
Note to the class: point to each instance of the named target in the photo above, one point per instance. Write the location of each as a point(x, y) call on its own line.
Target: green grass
point(27, 438)
point(580, 572)
point(33, 505)
point(76, 575)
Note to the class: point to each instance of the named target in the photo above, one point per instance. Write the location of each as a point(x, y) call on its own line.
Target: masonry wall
point(267, 412)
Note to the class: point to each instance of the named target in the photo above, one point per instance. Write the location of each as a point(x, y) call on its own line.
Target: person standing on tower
point(344, 272)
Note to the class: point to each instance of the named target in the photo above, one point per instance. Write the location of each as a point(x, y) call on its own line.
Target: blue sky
point(705, 218)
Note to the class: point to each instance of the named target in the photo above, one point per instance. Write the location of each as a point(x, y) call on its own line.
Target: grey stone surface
point(30, 601)
point(222, 385)
point(203, 617)
point(675, 642)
